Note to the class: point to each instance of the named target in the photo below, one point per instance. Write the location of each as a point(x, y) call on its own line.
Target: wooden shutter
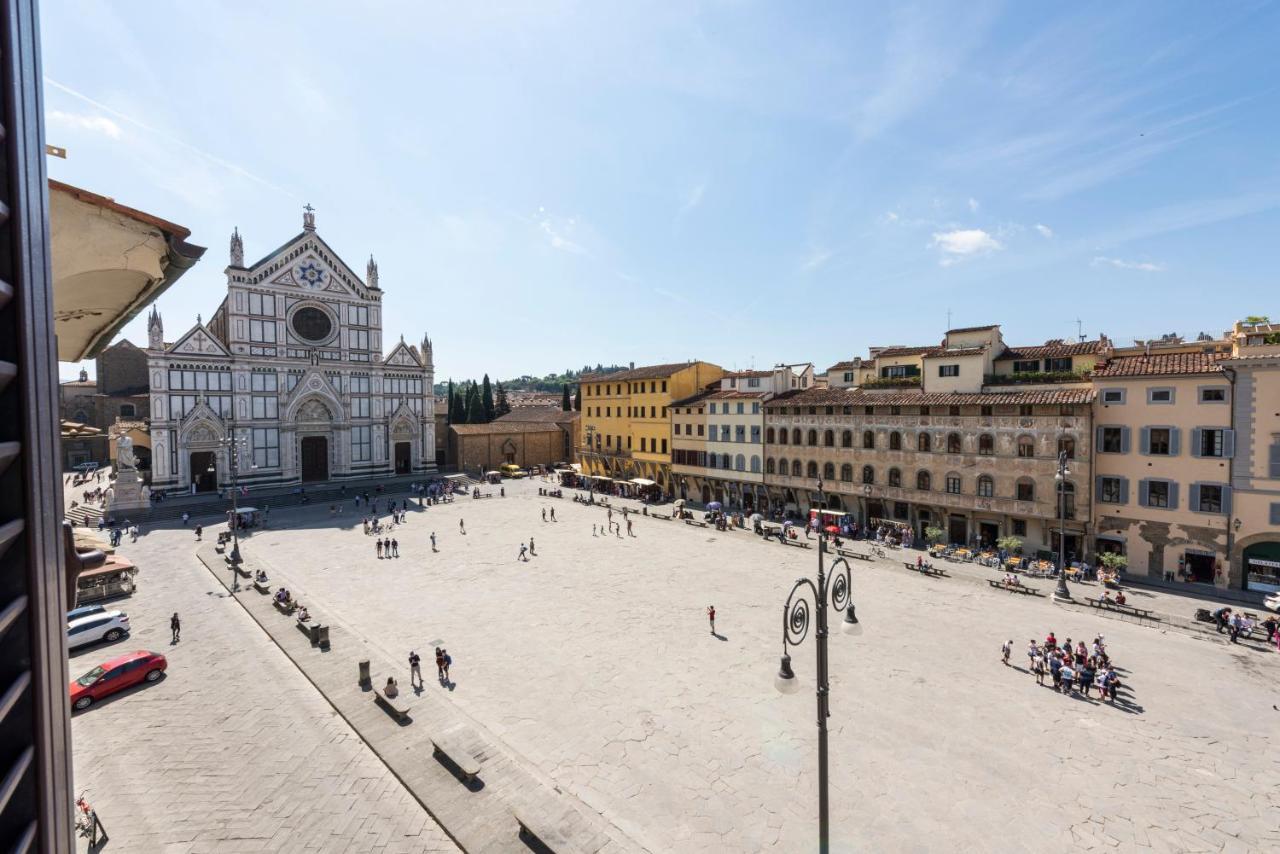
point(1196, 442)
point(1144, 443)
point(1124, 440)
point(1124, 490)
point(1194, 499)
point(1173, 495)
point(1226, 500)
point(1174, 441)
point(1228, 444)
point(1275, 462)
point(1144, 492)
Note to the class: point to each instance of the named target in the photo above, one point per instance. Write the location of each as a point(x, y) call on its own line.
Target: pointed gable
point(308, 264)
point(402, 356)
point(198, 341)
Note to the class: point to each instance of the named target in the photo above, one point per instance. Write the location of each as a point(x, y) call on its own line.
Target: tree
point(475, 405)
point(934, 535)
point(564, 397)
point(1012, 545)
point(501, 406)
point(452, 406)
point(486, 399)
point(577, 398)
point(1114, 561)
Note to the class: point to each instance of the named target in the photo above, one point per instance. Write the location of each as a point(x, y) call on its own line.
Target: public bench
point(852, 554)
point(1012, 588)
point(925, 570)
point(285, 608)
point(262, 587)
point(381, 699)
point(462, 748)
point(309, 628)
point(240, 570)
point(803, 544)
point(660, 516)
point(695, 522)
point(558, 828)
point(1105, 605)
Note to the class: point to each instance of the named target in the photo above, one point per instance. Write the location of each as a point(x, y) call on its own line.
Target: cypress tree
point(501, 406)
point(486, 399)
point(564, 397)
point(577, 398)
point(475, 406)
point(452, 406)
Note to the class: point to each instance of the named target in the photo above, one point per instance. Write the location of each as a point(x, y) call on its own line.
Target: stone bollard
point(365, 680)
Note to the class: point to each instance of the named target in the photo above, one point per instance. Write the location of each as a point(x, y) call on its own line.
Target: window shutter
point(1174, 441)
point(1144, 492)
point(1124, 440)
point(1097, 439)
point(1226, 500)
point(1275, 461)
point(1097, 488)
point(1173, 495)
point(1228, 444)
point(1195, 497)
point(1124, 490)
point(1144, 443)
point(1196, 432)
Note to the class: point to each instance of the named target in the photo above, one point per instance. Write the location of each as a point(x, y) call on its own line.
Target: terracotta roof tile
point(858, 397)
point(894, 352)
point(945, 352)
point(1162, 364)
point(503, 427)
point(846, 366)
point(537, 414)
point(964, 329)
point(649, 372)
point(1051, 351)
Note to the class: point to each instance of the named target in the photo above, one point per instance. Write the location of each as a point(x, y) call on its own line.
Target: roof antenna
point(1080, 330)
point(948, 320)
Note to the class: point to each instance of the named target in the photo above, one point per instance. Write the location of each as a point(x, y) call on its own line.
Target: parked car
point(108, 626)
point(116, 674)
point(1273, 602)
point(85, 611)
point(511, 470)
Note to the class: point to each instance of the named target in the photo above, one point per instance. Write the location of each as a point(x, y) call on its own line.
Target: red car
point(116, 674)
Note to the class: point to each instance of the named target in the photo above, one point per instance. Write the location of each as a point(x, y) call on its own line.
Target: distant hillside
point(549, 383)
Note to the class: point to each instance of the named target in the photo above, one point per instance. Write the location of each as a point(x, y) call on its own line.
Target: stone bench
point(286, 608)
point(1140, 613)
point(401, 715)
point(802, 544)
point(557, 827)
point(695, 522)
point(261, 587)
point(1012, 588)
point(924, 570)
point(852, 554)
point(462, 748)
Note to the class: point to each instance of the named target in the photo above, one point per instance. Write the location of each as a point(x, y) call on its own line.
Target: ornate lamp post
point(1060, 481)
point(835, 588)
point(234, 446)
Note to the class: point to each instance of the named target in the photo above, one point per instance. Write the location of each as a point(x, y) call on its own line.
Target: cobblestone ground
point(594, 661)
point(233, 750)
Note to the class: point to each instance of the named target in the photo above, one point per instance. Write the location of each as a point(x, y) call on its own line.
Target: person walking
point(415, 668)
point(1005, 649)
point(386, 546)
point(593, 530)
point(448, 662)
point(439, 665)
point(629, 534)
point(553, 514)
point(433, 541)
point(395, 548)
point(522, 555)
point(175, 626)
point(185, 517)
point(711, 617)
point(377, 545)
point(199, 532)
point(462, 527)
point(1234, 628)
point(532, 550)
point(544, 514)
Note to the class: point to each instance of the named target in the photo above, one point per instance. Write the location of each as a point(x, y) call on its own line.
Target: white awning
point(640, 481)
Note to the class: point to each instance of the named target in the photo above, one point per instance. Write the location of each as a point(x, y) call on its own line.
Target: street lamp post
point(1060, 480)
point(835, 588)
point(234, 447)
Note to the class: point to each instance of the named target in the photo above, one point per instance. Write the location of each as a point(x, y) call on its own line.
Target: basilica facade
point(288, 375)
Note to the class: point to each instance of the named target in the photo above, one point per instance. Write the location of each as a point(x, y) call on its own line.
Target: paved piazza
point(594, 664)
point(233, 750)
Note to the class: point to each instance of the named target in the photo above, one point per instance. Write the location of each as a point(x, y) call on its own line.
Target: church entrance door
point(315, 458)
point(204, 479)
point(403, 457)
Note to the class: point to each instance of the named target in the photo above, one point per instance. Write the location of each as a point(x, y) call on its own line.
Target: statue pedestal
point(127, 493)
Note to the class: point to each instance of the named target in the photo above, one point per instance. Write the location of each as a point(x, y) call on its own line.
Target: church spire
point(237, 249)
point(426, 353)
point(371, 274)
point(308, 218)
point(155, 330)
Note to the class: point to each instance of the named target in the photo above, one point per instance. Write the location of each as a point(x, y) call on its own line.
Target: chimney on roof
point(632, 366)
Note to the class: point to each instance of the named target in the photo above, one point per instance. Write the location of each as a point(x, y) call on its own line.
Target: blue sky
point(552, 184)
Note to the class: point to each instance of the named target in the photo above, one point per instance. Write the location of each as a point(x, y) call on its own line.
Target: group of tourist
point(443, 662)
point(1071, 669)
point(1235, 624)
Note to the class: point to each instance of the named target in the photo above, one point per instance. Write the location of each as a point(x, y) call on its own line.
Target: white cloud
point(558, 232)
point(890, 216)
point(1122, 264)
point(964, 243)
point(692, 200)
point(973, 205)
point(81, 121)
point(1045, 231)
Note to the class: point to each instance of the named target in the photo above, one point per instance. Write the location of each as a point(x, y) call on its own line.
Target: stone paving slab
point(479, 817)
point(233, 750)
point(593, 662)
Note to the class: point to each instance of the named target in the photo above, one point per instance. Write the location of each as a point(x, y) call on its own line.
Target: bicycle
point(879, 552)
point(87, 823)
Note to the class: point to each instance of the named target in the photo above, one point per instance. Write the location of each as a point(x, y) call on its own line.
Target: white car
point(1273, 602)
point(108, 626)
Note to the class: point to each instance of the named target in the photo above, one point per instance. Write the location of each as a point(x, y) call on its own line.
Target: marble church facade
point(289, 371)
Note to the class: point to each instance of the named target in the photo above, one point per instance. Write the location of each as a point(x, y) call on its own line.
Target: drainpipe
point(1231, 482)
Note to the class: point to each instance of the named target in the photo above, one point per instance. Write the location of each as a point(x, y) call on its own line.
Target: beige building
point(1254, 366)
point(1162, 469)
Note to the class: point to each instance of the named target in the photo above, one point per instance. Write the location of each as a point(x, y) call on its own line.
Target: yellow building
point(626, 431)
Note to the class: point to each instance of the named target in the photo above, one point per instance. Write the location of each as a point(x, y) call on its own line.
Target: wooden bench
point(381, 699)
point(804, 544)
point(1140, 613)
point(852, 554)
point(695, 522)
point(557, 827)
point(285, 608)
point(462, 747)
point(1013, 588)
point(925, 570)
point(261, 587)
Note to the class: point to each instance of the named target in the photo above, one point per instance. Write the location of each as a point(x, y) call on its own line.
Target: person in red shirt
point(1050, 642)
point(711, 617)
